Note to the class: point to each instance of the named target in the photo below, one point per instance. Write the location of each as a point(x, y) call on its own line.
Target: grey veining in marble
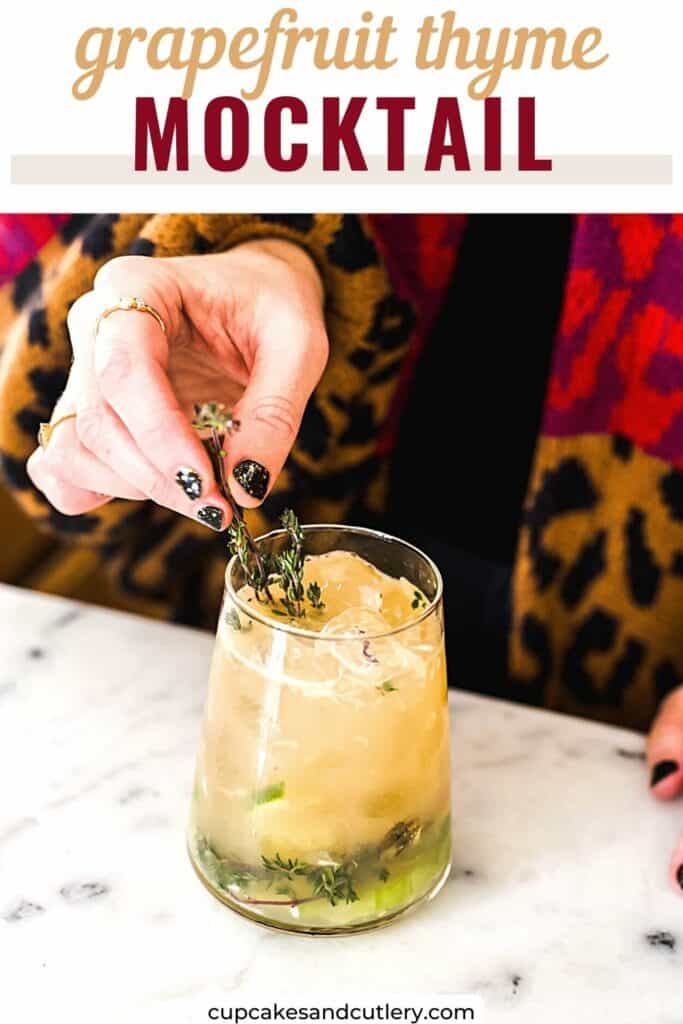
point(558, 908)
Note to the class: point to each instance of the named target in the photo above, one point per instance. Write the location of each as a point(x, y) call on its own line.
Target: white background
point(630, 105)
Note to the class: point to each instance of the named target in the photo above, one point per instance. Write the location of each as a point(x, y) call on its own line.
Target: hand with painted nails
point(665, 763)
point(243, 327)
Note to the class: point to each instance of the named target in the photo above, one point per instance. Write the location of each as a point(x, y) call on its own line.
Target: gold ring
point(46, 430)
point(134, 305)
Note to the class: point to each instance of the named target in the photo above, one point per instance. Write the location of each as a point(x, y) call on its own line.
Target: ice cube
point(361, 649)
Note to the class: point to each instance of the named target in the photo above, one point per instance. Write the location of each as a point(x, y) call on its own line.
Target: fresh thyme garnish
point(289, 566)
point(260, 568)
point(387, 687)
point(254, 563)
point(314, 595)
point(214, 416)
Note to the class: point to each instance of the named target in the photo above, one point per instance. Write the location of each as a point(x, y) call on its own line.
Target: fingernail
point(253, 477)
point(190, 481)
point(662, 770)
point(679, 875)
point(211, 516)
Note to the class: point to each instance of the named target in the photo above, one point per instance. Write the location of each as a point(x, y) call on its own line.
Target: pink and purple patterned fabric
point(22, 235)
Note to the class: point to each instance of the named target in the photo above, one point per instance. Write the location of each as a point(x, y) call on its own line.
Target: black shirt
point(468, 433)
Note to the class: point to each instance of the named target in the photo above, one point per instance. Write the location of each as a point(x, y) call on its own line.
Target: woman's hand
point(244, 328)
point(665, 761)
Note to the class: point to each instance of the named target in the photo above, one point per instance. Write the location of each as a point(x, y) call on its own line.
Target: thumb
point(285, 372)
point(665, 748)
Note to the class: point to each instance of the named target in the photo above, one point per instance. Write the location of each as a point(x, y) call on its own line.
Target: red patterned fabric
point(21, 236)
point(618, 363)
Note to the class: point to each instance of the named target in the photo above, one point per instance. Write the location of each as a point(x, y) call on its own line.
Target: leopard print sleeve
point(165, 563)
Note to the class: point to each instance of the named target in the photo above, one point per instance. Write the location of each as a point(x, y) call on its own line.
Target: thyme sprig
point(289, 566)
point(214, 418)
point(254, 563)
point(332, 882)
point(261, 569)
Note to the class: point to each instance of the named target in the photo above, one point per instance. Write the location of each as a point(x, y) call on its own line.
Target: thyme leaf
point(332, 882)
point(314, 595)
point(289, 868)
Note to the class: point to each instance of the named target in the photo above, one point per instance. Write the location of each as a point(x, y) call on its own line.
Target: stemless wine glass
point(322, 794)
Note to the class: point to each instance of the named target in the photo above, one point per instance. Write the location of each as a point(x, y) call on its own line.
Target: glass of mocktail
point(322, 794)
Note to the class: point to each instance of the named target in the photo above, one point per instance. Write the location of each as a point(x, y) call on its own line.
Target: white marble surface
point(559, 875)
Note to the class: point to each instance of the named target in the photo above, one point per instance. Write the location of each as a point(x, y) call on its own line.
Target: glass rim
point(287, 627)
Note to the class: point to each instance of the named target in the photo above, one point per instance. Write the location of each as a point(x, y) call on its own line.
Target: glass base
point(305, 929)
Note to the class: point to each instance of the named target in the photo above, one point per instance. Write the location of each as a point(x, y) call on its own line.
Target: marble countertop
point(558, 905)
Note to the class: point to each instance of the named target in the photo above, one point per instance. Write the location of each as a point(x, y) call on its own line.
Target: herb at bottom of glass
point(225, 873)
point(332, 882)
point(387, 687)
point(288, 867)
point(228, 877)
point(402, 835)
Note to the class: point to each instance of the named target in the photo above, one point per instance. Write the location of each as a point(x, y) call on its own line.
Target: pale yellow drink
point(322, 798)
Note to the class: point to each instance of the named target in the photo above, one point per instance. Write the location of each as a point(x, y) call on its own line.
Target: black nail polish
point(253, 477)
point(679, 876)
point(662, 770)
point(190, 481)
point(211, 516)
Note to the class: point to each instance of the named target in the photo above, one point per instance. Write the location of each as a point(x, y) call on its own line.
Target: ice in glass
point(321, 800)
